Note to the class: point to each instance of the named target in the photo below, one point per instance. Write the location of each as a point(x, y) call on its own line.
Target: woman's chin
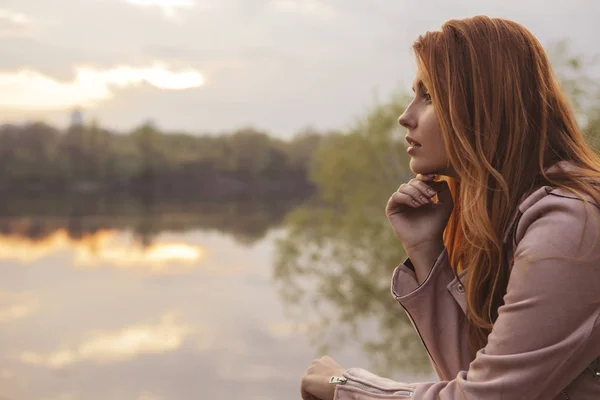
point(422, 167)
point(419, 167)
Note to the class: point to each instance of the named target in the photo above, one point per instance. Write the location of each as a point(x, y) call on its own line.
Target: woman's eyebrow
point(420, 85)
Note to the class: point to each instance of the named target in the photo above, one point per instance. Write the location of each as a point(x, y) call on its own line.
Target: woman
point(502, 279)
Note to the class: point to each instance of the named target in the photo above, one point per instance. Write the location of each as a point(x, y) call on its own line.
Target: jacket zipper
point(345, 381)
point(419, 334)
point(594, 368)
point(415, 325)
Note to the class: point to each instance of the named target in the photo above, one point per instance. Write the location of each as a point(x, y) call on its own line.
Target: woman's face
point(421, 125)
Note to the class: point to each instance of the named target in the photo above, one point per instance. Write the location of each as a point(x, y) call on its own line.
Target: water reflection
point(15, 306)
point(106, 347)
point(154, 302)
point(104, 248)
point(162, 304)
point(79, 216)
point(340, 268)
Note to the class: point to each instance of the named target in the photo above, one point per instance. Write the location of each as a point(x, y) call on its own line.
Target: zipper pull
point(338, 379)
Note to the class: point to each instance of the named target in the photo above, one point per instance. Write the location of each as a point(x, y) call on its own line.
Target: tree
point(341, 245)
point(573, 73)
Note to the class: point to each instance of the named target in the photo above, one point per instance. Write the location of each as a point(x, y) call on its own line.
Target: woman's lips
point(412, 149)
point(414, 145)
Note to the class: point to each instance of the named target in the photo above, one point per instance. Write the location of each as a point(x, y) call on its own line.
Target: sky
point(219, 65)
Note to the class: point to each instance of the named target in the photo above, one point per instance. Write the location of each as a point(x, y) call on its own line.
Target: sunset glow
point(106, 249)
point(27, 89)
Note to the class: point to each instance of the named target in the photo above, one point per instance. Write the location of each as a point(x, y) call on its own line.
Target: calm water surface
point(90, 308)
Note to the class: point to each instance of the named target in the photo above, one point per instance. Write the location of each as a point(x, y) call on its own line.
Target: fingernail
point(423, 198)
point(430, 192)
point(416, 203)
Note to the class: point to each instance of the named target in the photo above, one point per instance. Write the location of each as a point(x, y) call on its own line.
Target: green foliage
point(39, 157)
point(573, 73)
point(592, 127)
point(370, 153)
point(341, 245)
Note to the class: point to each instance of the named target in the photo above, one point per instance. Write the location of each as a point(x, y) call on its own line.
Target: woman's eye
point(427, 97)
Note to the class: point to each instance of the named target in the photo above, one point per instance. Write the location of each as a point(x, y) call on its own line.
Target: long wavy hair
point(504, 121)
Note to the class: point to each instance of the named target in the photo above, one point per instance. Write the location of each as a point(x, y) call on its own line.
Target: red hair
point(504, 121)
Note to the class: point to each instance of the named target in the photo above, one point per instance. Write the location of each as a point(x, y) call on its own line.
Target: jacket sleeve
point(547, 331)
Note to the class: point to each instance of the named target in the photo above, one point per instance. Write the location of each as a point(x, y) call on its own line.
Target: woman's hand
point(417, 221)
point(414, 217)
point(315, 383)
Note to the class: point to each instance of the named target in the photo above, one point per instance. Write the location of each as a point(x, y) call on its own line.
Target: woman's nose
point(406, 121)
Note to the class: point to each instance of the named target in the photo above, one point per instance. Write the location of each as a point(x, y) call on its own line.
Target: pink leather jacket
point(545, 343)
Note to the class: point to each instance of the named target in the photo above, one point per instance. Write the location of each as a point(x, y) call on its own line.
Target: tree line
point(37, 157)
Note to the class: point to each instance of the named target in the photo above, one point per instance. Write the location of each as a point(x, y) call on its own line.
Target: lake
point(105, 300)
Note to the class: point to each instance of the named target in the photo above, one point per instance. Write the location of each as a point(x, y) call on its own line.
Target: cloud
point(160, 258)
point(14, 17)
point(14, 24)
point(32, 91)
point(316, 8)
point(15, 311)
point(106, 347)
point(15, 306)
point(169, 7)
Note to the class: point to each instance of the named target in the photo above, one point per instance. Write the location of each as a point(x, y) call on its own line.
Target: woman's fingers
point(399, 199)
point(413, 193)
point(425, 189)
point(418, 190)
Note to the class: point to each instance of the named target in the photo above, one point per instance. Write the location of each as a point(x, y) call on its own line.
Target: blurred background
point(192, 191)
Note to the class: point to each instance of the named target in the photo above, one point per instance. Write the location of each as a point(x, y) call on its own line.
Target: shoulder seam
point(515, 227)
point(572, 197)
